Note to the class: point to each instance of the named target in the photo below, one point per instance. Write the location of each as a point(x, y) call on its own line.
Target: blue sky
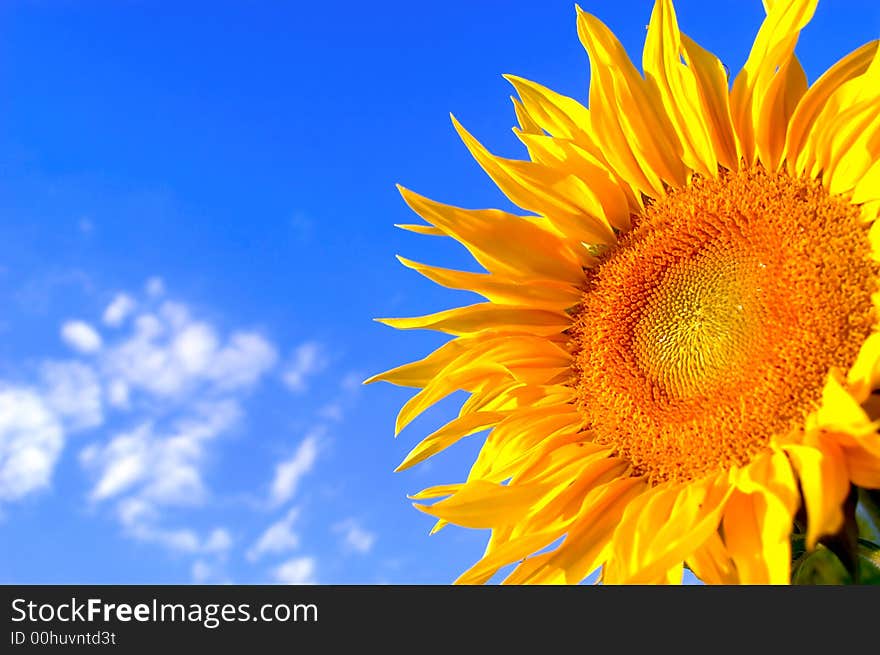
point(196, 226)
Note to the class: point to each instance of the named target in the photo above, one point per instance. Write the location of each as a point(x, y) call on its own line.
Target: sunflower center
point(713, 325)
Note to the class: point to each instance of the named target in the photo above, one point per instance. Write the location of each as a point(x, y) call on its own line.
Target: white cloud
point(331, 412)
point(219, 541)
point(30, 443)
point(278, 537)
point(117, 394)
point(289, 472)
point(307, 360)
point(354, 536)
point(206, 572)
point(140, 520)
point(81, 336)
point(73, 392)
point(245, 358)
point(169, 354)
point(299, 570)
point(155, 287)
point(118, 310)
point(162, 466)
point(202, 572)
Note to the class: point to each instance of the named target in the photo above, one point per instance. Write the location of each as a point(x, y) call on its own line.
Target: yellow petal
point(824, 483)
point(854, 146)
point(561, 197)
point(663, 527)
point(558, 115)
point(482, 504)
point(502, 394)
point(526, 123)
point(510, 443)
point(450, 433)
point(495, 238)
point(771, 52)
point(815, 152)
point(868, 188)
point(640, 143)
point(711, 80)
point(587, 542)
point(758, 520)
point(571, 500)
point(537, 294)
point(812, 103)
point(606, 198)
point(437, 491)
point(781, 97)
point(511, 551)
point(711, 562)
point(839, 411)
point(427, 230)
point(486, 316)
point(864, 374)
point(862, 456)
point(676, 85)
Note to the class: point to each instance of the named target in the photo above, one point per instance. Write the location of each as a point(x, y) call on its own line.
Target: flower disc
point(713, 325)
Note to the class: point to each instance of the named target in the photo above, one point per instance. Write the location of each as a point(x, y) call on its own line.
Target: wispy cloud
point(141, 521)
point(163, 466)
point(289, 472)
point(118, 310)
point(170, 353)
point(73, 392)
point(277, 538)
point(208, 572)
point(180, 384)
point(155, 287)
point(31, 440)
point(299, 571)
point(81, 336)
point(307, 360)
point(354, 536)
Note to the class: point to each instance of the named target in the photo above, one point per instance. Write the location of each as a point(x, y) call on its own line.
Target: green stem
point(868, 515)
point(845, 543)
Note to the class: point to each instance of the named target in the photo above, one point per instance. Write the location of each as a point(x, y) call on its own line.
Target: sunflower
point(680, 340)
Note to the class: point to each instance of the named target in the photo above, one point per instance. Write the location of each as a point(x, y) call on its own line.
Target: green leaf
point(869, 562)
point(820, 567)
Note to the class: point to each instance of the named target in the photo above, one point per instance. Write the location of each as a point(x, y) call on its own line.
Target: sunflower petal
point(811, 104)
point(494, 238)
point(485, 316)
point(676, 85)
point(450, 433)
point(824, 483)
point(641, 143)
point(526, 123)
point(854, 147)
point(606, 197)
point(711, 562)
point(868, 188)
point(558, 195)
point(785, 90)
point(587, 542)
point(662, 527)
point(758, 518)
point(538, 294)
point(482, 504)
point(771, 52)
point(558, 115)
point(508, 552)
point(711, 80)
